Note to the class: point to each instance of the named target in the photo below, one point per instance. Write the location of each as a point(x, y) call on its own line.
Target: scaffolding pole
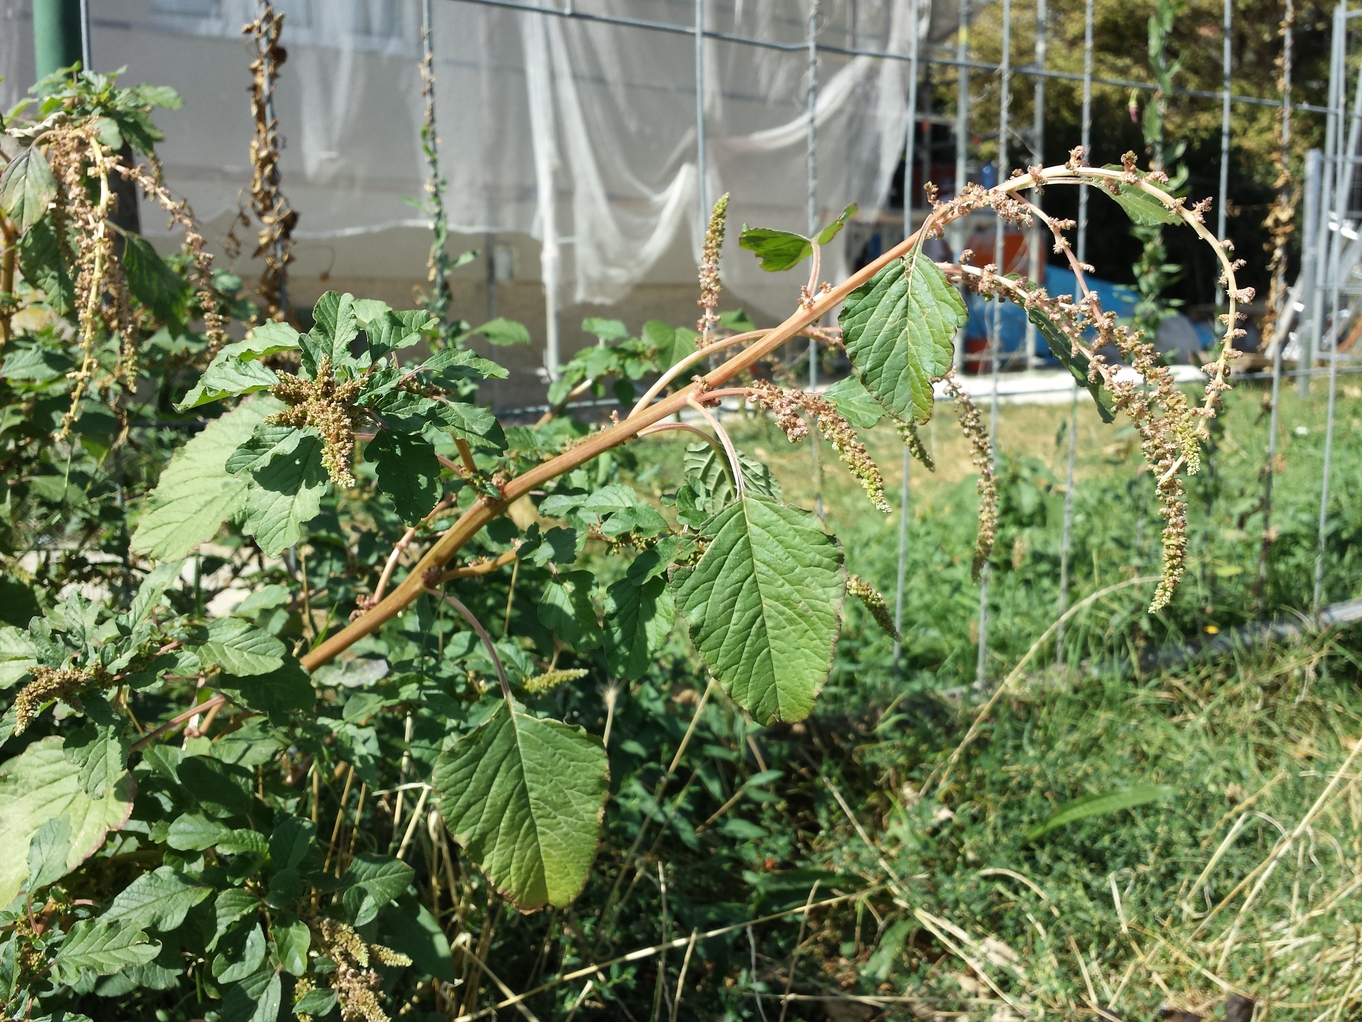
point(909, 140)
point(1033, 339)
point(995, 334)
point(1066, 529)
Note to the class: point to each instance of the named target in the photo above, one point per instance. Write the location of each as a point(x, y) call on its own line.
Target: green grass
point(961, 912)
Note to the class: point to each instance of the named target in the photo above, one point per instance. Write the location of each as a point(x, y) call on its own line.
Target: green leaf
point(565, 609)
point(239, 648)
point(503, 331)
point(291, 943)
point(48, 852)
point(228, 968)
point(276, 694)
point(17, 655)
point(228, 376)
point(196, 493)
point(638, 620)
point(255, 999)
point(409, 928)
point(1075, 361)
point(777, 250)
point(671, 343)
point(1143, 209)
point(101, 948)
point(455, 365)
point(44, 266)
point(154, 283)
point(336, 326)
point(39, 785)
point(831, 230)
point(193, 833)
point(605, 329)
point(473, 424)
point(371, 882)
point(899, 331)
point(855, 403)
point(231, 905)
point(269, 338)
point(763, 605)
point(101, 753)
point(317, 1002)
point(27, 187)
point(710, 467)
point(1101, 804)
point(263, 445)
point(157, 900)
point(525, 797)
point(286, 494)
point(408, 473)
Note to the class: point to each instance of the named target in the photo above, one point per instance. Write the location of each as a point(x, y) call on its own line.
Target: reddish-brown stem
point(10, 235)
point(487, 643)
point(207, 706)
point(465, 455)
point(485, 509)
point(480, 567)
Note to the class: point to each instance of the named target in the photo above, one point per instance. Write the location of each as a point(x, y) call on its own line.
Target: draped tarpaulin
point(579, 133)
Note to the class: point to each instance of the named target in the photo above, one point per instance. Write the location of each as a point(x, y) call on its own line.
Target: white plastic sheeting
point(579, 133)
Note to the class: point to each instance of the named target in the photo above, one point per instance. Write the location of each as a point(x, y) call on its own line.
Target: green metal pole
point(56, 35)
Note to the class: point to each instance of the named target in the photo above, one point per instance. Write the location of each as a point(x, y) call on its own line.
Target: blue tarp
point(1059, 280)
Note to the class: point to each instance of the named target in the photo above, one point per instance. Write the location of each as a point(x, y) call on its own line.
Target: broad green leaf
point(240, 958)
point(524, 797)
point(286, 494)
point(291, 943)
point(475, 425)
point(776, 250)
point(605, 329)
point(196, 493)
point(638, 620)
point(157, 900)
point(671, 343)
point(17, 655)
point(1075, 361)
point(239, 648)
point(228, 376)
point(231, 905)
point(710, 467)
point(256, 998)
point(371, 882)
point(455, 365)
point(763, 605)
point(44, 266)
point(831, 230)
point(1143, 209)
point(264, 444)
point(317, 1002)
point(41, 784)
point(48, 852)
point(408, 473)
point(1101, 804)
point(336, 326)
point(855, 403)
point(269, 338)
point(101, 948)
point(149, 593)
point(193, 833)
point(899, 331)
point(100, 751)
point(502, 331)
point(565, 609)
point(277, 693)
point(154, 283)
point(409, 928)
point(27, 187)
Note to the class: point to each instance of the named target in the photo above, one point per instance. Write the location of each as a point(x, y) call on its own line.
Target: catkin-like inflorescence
point(981, 454)
point(787, 405)
point(874, 602)
point(709, 272)
point(354, 981)
point(51, 683)
point(327, 404)
point(550, 680)
point(913, 441)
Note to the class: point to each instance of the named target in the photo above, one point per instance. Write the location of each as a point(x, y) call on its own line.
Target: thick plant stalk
point(485, 509)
